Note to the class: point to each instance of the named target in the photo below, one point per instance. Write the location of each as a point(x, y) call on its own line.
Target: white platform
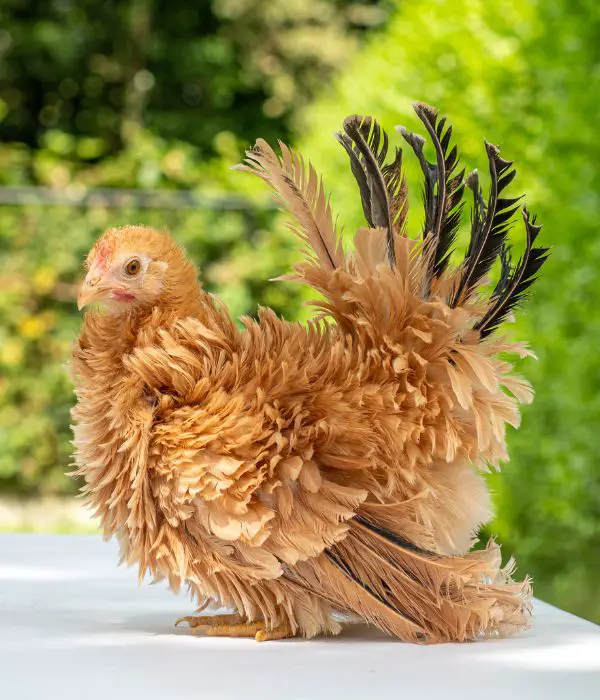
point(73, 626)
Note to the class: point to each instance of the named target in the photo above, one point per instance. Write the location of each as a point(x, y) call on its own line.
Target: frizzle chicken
point(303, 475)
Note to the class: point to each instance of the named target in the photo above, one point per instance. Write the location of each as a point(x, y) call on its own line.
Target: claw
point(187, 619)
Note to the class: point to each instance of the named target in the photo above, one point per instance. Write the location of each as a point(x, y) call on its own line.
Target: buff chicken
point(310, 476)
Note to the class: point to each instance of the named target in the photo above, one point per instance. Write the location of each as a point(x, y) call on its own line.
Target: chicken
point(308, 476)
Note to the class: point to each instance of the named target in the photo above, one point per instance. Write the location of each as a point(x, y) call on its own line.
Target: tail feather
point(514, 282)
point(417, 595)
point(384, 200)
point(395, 181)
point(330, 578)
point(301, 191)
point(445, 206)
point(437, 571)
point(382, 188)
point(489, 226)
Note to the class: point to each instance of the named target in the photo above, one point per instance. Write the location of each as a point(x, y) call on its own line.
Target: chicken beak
point(91, 290)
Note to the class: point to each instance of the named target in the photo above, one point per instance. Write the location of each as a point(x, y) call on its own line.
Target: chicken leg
point(234, 625)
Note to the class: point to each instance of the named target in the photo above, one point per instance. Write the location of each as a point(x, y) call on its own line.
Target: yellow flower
point(44, 279)
point(11, 352)
point(32, 328)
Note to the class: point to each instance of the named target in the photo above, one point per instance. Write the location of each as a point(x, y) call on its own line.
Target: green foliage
point(525, 75)
point(94, 73)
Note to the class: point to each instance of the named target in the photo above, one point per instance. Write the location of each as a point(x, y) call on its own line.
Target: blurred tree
point(527, 76)
point(186, 71)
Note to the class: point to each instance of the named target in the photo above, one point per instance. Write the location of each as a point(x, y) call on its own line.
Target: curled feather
point(299, 189)
point(514, 282)
point(489, 225)
point(447, 206)
point(382, 188)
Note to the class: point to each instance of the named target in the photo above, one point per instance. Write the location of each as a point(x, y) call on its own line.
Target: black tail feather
point(489, 225)
point(395, 182)
point(384, 200)
point(417, 143)
point(514, 282)
point(367, 145)
point(447, 205)
point(442, 192)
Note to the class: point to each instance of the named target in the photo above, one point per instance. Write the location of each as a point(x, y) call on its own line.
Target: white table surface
point(73, 625)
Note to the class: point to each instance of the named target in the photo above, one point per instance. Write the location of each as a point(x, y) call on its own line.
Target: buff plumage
point(292, 472)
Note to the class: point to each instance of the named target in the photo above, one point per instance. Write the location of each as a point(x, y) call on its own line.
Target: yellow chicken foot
point(234, 626)
point(195, 621)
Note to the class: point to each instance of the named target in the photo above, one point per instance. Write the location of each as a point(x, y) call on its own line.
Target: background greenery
point(145, 94)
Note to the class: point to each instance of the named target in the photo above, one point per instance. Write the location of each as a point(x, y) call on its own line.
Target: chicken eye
point(133, 267)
